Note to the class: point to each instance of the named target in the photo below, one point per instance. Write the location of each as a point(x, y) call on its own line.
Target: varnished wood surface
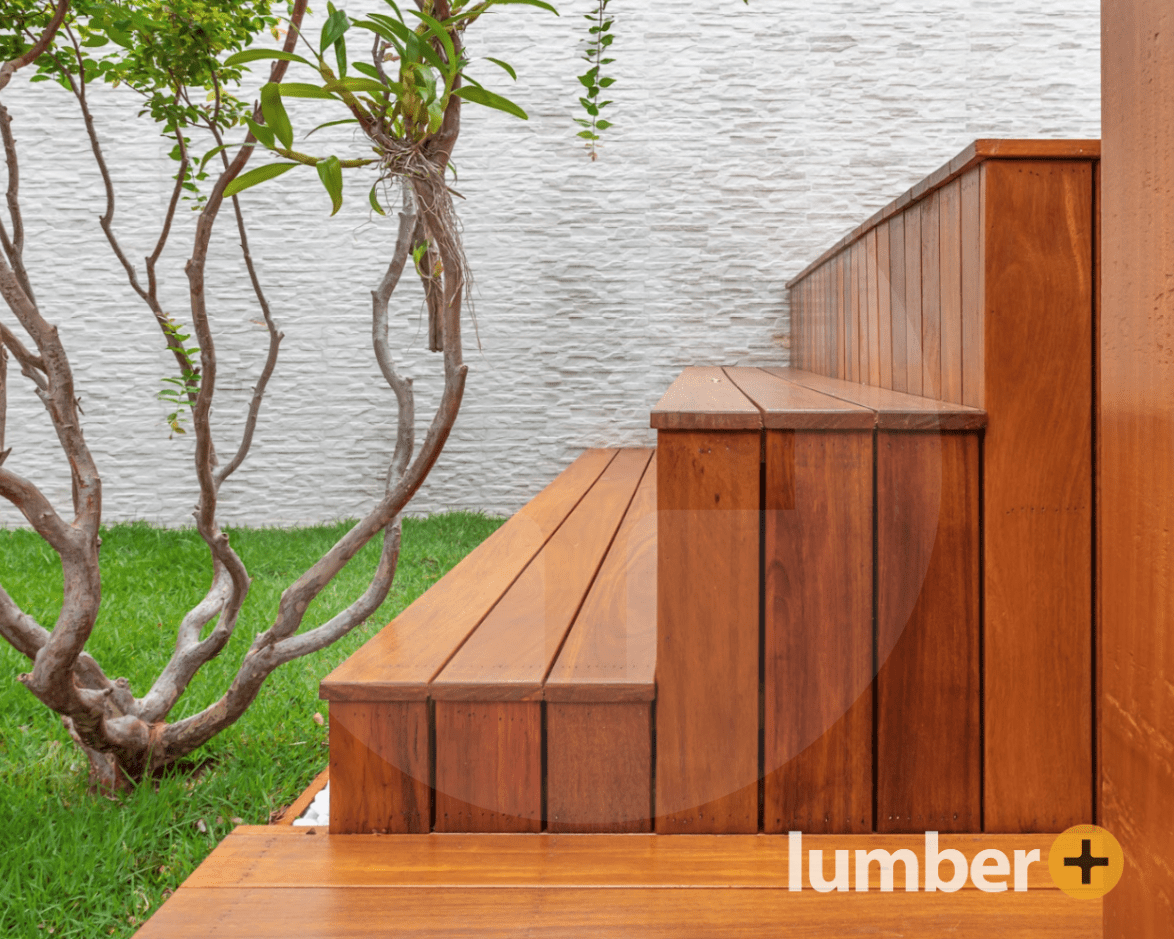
point(818, 665)
point(786, 405)
point(974, 307)
point(703, 398)
point(488, 766)
point(599, 766)
point(894, 410)
point(587, 886)
point(399, 661)
point(1038, 495)
point(931, 297)
point(898, 317)
point(610, 652)
point(1136, 447)
point(509, 654)
point(950, 290)
point(618, 913)
point(975, 154)
point(707, 631)
point(380, 766)
point(929, 732)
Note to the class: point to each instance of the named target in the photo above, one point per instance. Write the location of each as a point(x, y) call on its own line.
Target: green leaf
point(345, 120)
point(490, 100)
point(375, 199)
point(303, 90)
point(532, 3)
point(274, 113)
point(368, 70)
point(330, 172)
point(336, 24)
point(603, 125)
point(261, 132)
point(340, 55)
point(606, 82)
point(587, 134)
point(445, 40)
point(505, 65)
point(356, 84)
point(252, 55)
point(258, 175)
point(211, 153)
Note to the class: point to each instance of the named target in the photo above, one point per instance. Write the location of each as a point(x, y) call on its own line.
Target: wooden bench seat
point(440, 720)
point(855, 511)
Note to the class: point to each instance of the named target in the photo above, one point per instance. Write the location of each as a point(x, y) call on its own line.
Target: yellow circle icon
point(1086, 862)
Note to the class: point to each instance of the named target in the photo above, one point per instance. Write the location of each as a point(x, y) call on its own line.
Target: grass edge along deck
point(268, 882)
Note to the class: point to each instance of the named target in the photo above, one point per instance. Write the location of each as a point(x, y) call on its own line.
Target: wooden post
point(1136, 435)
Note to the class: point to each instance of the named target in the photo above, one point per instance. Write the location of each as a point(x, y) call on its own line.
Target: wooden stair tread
point(788, 405)
point(486, 885)
point(704, 398)
point(400, 660)
point(895, 410)
point(610, 652)
point(509, 654)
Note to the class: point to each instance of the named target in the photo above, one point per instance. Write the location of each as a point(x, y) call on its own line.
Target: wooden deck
point(278, 882)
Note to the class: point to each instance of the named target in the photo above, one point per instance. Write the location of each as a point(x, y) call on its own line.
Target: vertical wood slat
point(873, 310)
point(898, 317)
point(1136, 450)
point(825, 320)
point(951, 292)
point(862, 294)
point(488, 771)
point(818, 665)
point(884, 307)
point(1038, 493)
point(379, 767)
point(928, 725)
point(843, 281)
point(931, 319)
point(913, 299)
point(973, 290)
point(851, 350)
point(707, 631)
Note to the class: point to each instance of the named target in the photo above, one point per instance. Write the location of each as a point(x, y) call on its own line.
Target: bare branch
point(14, 248)
point(3, 401)
point(8, 69)
point(24, 633)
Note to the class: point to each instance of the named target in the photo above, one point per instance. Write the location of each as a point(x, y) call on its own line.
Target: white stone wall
point(746, 140)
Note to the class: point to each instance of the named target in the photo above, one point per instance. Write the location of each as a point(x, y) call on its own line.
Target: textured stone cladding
point(747, 139)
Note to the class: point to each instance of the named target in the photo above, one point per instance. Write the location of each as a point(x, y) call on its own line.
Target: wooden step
point(270, 882)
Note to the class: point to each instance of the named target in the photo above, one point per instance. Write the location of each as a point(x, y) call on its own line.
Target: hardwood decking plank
point(884, 307)
point(931, 299)
point(894, 410)
point(898, 318)
point(610, 652)
point(913, 364)
point(789, 406)
point(950, 287)
point(617, 913)
point(256, 856)
point(702, 398)
point(399, 661)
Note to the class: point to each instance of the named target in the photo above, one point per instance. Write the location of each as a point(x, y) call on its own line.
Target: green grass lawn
point(83, 866)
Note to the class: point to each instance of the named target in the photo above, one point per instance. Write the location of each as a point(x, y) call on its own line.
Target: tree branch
point(8, 69)
point(14, 248)
point(24, 633)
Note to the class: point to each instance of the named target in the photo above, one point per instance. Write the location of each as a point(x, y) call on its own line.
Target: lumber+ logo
point(1084, 861)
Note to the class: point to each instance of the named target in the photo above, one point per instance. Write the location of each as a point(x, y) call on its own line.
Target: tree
point(167, 51)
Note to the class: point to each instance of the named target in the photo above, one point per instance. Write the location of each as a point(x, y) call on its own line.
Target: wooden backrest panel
point(508, 655)
point(610, 652)
point(400, 660)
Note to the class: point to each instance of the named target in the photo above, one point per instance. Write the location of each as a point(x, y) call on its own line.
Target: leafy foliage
point(600, 38)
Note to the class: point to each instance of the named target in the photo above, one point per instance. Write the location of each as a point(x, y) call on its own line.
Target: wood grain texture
point(510, 653)
point(859, 262)
point(702, 398)
point(894, 410)
point(599, 767)
point(258, 856)
point(913, 248)
point(488, 766)
point(610, 652)
point(707, 632)
point(884, 308)
point(976, 153)
point(379, 767)
point(837, 351)
point(931, 300)
point(898, 319)
point(399, 661)
point(1038, 494)
point(1136, 448)
point(852, 317)
point(874, 368)
point(950, 291)
point(786, 405)
point(844, 284)
point(973, 289)
point(818, 720)
point(929, 735)
point(643, 912)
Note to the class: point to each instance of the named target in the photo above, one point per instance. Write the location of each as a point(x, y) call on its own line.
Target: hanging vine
point(599, 39)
